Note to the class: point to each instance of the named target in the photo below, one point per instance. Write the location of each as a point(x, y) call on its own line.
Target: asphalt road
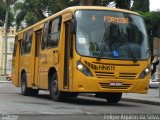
point(14, 105)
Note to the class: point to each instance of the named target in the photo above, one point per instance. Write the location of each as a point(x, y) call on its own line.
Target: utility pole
point(7, 4)
point(6, 39)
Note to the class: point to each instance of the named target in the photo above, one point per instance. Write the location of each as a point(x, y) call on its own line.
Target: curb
point(140, 101)
point(3, 81)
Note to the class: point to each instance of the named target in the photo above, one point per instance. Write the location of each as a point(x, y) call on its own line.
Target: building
point(10, 47)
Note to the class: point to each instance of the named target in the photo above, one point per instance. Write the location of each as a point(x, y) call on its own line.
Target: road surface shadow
point(88, 101)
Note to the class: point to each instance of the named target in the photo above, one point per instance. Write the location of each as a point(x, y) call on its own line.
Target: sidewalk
point(152, 97)
point(3, 79)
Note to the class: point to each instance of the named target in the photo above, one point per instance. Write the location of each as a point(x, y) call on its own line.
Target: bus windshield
point(110, 34)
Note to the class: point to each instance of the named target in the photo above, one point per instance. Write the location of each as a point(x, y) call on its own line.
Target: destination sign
point(112, 19)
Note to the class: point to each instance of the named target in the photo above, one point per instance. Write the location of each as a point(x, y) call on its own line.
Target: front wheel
point(55, 94)
point(113, 97)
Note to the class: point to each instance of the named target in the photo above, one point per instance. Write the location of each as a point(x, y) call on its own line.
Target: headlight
point(144, 73)
point(81, 67)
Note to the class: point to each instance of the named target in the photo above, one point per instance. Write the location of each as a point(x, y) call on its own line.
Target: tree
point(90, 2)
point(33, 11)
point(6, 4)
point(30, 10)
point(125, 4)
point(141, 5)
point(2, 15)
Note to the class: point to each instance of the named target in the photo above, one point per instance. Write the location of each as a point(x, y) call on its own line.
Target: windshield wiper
point(129, 48)
point(103, 44)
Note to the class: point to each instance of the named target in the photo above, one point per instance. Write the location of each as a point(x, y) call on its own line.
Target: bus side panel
point(15, 64)
point(25, 64)
point(38, 36)
point(45, 63)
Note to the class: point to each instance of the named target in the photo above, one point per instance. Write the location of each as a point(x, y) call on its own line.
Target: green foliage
point(39, 8)
point(54, 6)
point(30, 18)
point(125, 4)
point(141, 5)
point(2, 15)
point(152, 20)
point(31, 11)
point(10, 19)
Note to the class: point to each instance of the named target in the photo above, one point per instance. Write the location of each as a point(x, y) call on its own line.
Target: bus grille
point(111, 75)
point(107, 85)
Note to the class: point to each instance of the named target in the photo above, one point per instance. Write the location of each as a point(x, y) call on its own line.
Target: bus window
point(45, 32)
point(54, 33)
point(15, 46)
point(23, 43)
point(27, 42)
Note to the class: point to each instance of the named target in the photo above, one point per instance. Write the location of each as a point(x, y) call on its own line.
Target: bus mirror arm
point(73, 26)
point(71, 47)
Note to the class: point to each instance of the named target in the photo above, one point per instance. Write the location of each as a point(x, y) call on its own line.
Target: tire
point(113, 97)
point(24, 90)
point(55, 94)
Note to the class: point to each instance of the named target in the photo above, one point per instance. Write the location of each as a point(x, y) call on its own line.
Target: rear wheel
point(24, 90)
point(55, 94)
point(113, 97)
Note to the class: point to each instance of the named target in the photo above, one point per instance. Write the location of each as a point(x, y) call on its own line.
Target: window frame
point(15, 46)
point(44, 36)
point(47, 35)
point(27, 39)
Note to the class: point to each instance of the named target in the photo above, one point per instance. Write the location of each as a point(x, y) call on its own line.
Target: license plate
point(115, 84)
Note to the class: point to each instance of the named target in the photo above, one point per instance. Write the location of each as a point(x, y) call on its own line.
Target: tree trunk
point(6, 38)
point(91, 2)
point(62, 4)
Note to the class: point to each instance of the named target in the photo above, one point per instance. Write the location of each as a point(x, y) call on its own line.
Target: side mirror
point(73, 26)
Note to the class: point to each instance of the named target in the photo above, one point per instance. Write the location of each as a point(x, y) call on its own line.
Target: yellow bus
point(83, 49)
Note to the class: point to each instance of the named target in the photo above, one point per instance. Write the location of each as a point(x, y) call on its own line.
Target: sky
point(154, 5)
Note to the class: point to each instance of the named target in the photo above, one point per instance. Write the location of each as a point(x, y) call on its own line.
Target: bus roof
point(100, 8)
point(74, 8)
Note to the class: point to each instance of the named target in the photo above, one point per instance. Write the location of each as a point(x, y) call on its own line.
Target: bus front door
point(15, 63)
point(38, 36)
point(67, 81)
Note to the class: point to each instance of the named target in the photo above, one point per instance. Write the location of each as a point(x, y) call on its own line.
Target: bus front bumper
point(93, 85)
